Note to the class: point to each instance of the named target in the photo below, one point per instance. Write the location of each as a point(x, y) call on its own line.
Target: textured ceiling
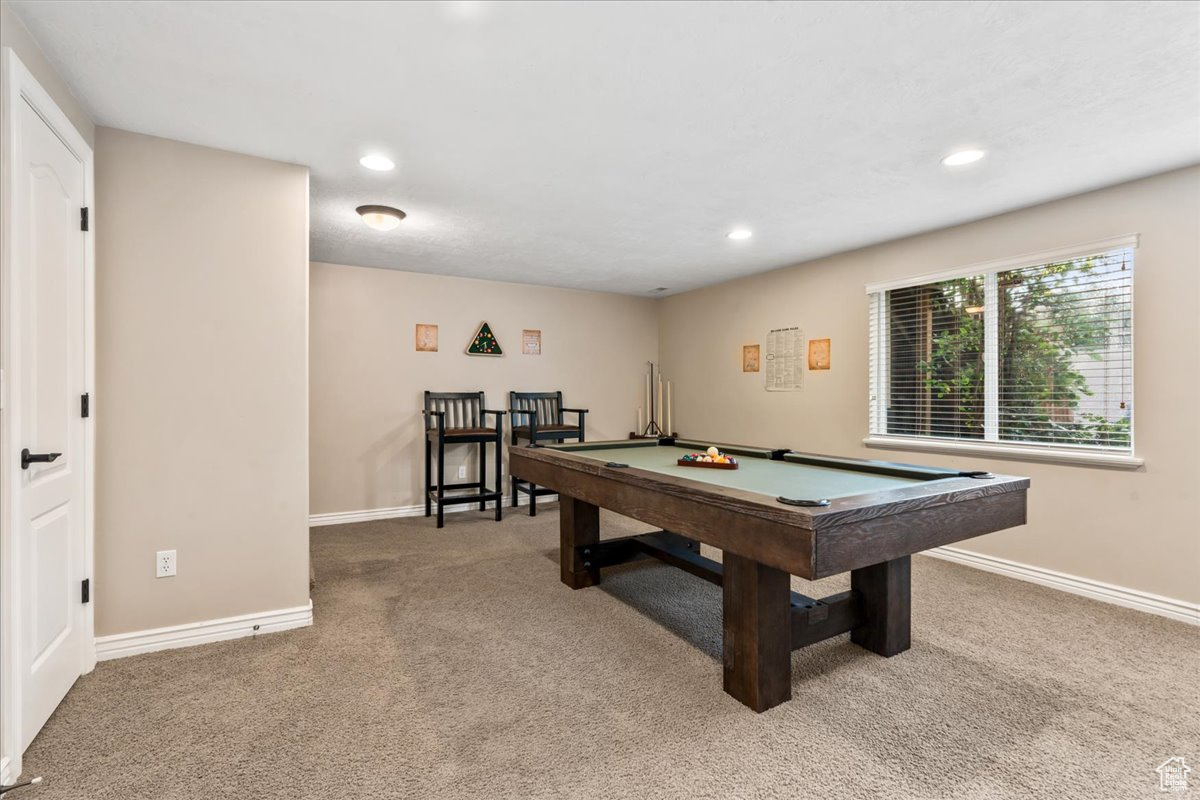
point(612, 145)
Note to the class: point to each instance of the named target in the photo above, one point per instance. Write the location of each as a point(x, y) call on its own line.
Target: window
point(1031, 353)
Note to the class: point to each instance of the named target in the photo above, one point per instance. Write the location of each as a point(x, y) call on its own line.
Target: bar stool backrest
point(462, 409)
point(547, 404)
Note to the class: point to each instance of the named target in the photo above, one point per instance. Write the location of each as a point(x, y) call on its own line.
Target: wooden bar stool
point(459, 418)
point(538, 417)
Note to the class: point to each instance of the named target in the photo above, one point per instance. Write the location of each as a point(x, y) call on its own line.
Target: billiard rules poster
point(785, 347)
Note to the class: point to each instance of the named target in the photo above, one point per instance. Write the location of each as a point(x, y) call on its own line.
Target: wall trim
point(1016, 452)
point(1126, 241)
point(1158, 605)
point(133, 643)
point(372, 514)
point(5, 771)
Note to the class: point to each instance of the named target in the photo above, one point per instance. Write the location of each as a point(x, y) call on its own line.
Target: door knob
point(28, 458)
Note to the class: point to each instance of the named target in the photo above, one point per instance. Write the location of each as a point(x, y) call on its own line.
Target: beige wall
point(202, 382)
point(1137, 529)
point(367, 379)
point(14, 34)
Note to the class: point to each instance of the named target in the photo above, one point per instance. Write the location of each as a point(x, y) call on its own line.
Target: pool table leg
point(758, 632)
point(884, 591)
point(578, 526)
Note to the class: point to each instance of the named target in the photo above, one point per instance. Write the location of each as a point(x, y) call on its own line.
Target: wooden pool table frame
point(764, 541)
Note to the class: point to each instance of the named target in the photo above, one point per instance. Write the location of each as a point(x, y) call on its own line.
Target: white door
point(48, 285)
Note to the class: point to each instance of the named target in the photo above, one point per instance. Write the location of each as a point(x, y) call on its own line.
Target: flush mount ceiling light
point(960, 158)
point(377, 162)
point(740, 233)
point(381, 218)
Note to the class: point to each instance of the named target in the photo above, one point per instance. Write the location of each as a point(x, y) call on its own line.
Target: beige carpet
point(453, 664)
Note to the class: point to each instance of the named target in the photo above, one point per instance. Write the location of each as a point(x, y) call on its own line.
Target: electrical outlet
point(164, 563)
point(462, 472)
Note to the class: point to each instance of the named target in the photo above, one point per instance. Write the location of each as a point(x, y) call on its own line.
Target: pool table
point(780, 513)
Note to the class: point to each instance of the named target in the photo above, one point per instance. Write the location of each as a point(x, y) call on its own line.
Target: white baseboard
point(214, 630)
point(1097, 590)
point(371, 514)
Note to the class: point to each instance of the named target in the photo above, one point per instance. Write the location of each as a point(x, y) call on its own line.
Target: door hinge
point(87, 590)
point(85, 405)
point(83, 219)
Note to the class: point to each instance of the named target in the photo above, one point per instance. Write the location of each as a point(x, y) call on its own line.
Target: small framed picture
point(531, 343)
point(818, 354)
point(426, 338)
point(750, 358)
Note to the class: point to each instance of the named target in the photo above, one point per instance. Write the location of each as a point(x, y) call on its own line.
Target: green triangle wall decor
point(484, 343)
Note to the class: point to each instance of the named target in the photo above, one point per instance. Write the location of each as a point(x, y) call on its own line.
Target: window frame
point(879, 377)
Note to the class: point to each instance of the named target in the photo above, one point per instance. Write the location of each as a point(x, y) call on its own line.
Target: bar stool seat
point(524, 430)
point(464, 433)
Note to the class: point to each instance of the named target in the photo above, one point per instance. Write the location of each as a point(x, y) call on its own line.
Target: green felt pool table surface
point(756, 471)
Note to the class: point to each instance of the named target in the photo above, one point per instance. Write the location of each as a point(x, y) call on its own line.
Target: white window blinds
point(1034, 352)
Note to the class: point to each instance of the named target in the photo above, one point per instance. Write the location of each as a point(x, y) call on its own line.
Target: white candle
point(639, 428)
point(668, 430)
point(649, 404)
point(660, 402)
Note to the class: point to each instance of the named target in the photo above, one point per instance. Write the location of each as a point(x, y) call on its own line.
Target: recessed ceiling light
point(740, 233)
point(960, 158)
point(377, 162)
point(465, 9)
point(381, 218)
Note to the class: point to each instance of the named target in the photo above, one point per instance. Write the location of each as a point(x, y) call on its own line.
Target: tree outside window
point(1038, 355)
